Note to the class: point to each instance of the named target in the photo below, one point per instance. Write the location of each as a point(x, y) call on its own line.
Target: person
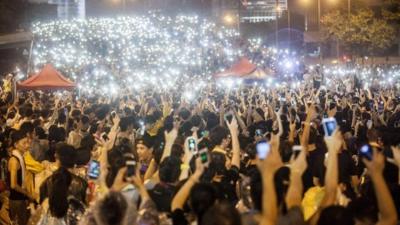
point(223, 178)
point(163, 192)
point(19, 193)
point(64, 192)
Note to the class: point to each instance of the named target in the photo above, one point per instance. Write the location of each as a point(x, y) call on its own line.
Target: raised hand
point(376, 165)
point(334, 142)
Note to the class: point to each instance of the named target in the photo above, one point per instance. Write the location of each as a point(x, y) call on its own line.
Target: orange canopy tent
point(47, 79)
point(244, 69)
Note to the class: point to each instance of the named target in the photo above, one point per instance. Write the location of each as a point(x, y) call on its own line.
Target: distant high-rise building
point(67, 9)
point(251, 11)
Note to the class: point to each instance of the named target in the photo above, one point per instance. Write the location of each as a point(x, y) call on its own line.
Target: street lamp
point(306, 4)
point(228, 19)
point(277, 9)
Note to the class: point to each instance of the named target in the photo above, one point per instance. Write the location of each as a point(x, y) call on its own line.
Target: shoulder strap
point(21, 161)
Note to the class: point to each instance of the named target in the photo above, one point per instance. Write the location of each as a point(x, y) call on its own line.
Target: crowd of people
point(243, 155)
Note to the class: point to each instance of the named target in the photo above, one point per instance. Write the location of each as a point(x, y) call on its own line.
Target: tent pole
point(30, 58)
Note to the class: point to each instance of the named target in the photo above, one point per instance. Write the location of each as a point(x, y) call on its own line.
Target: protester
point(305, 154)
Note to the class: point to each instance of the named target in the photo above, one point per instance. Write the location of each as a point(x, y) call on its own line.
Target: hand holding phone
point(329, 125)
point(366, 151)
point(296, 149)
point(131, 168)
point(94, 169)
point(263, 149)
point(203, 154)
point(228, 117)
point(192, 145)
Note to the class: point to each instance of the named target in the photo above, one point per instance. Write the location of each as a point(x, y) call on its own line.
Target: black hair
point(17, 136)
point(58, 192)
point(84, 119)
point(112, 208)
point(87, 142)
point(170, 169)
point(66, 154)
point(126, 122)
point(221, 214)
point(218, 134)
point(102, 111)
point(56, 134)
point(40, 132)
point(336, 215)
point(184, 114)
point(26, 128)
point(83, 156)
point(202, 197)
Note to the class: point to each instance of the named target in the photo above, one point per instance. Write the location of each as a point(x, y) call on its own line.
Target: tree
point(362, 33)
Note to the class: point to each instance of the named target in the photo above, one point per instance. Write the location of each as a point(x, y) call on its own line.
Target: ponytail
point(58, 192)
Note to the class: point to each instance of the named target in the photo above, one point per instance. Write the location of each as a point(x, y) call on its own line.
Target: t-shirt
point(347, 168)
point(227, 187)
point(162, 195)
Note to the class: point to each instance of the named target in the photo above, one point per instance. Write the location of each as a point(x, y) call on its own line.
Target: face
point(23, 144)
point(144, 152)
point(226, 141)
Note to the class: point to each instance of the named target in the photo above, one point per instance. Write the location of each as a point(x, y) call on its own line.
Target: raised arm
point(183, 193)
point(295, 191)
point(233, 129)
point(306, 132)
point(267, 168)
point(387, 209)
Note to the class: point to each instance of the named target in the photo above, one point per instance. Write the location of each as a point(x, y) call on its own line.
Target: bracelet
point(185, 167)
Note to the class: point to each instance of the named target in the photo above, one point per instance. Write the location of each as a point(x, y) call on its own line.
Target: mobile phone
point(329, 125)
point(203, 154)
point(192, 144)
point(366, 151)
point(205, 133)
point(228, 117)
point(380, 107)
point(66, 111)
point(113, 114)
point(94, 169)
point(259, 132)
point(131, 168)
point(296, 149)
point(263, 149)
point(142, 128)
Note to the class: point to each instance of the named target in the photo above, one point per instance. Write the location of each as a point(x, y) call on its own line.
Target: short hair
point(221, 214)
point(112, 208)
point(170, 169)
point(26, 128)
point(336, 215)
point(184, 114)
point(202, 197)
point(66, 154)
point(218, 134)
point(17, 136)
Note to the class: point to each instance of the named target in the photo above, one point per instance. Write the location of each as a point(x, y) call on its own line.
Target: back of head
point(221, 214)
point(58, 192)
point(202, 197)
point(170, 169)
point(218, 134)
point(111, 210)
point(335, 215)
point(66, 154)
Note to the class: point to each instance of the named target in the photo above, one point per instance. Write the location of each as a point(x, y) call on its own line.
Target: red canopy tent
point(244, 69)
point(47, 79)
